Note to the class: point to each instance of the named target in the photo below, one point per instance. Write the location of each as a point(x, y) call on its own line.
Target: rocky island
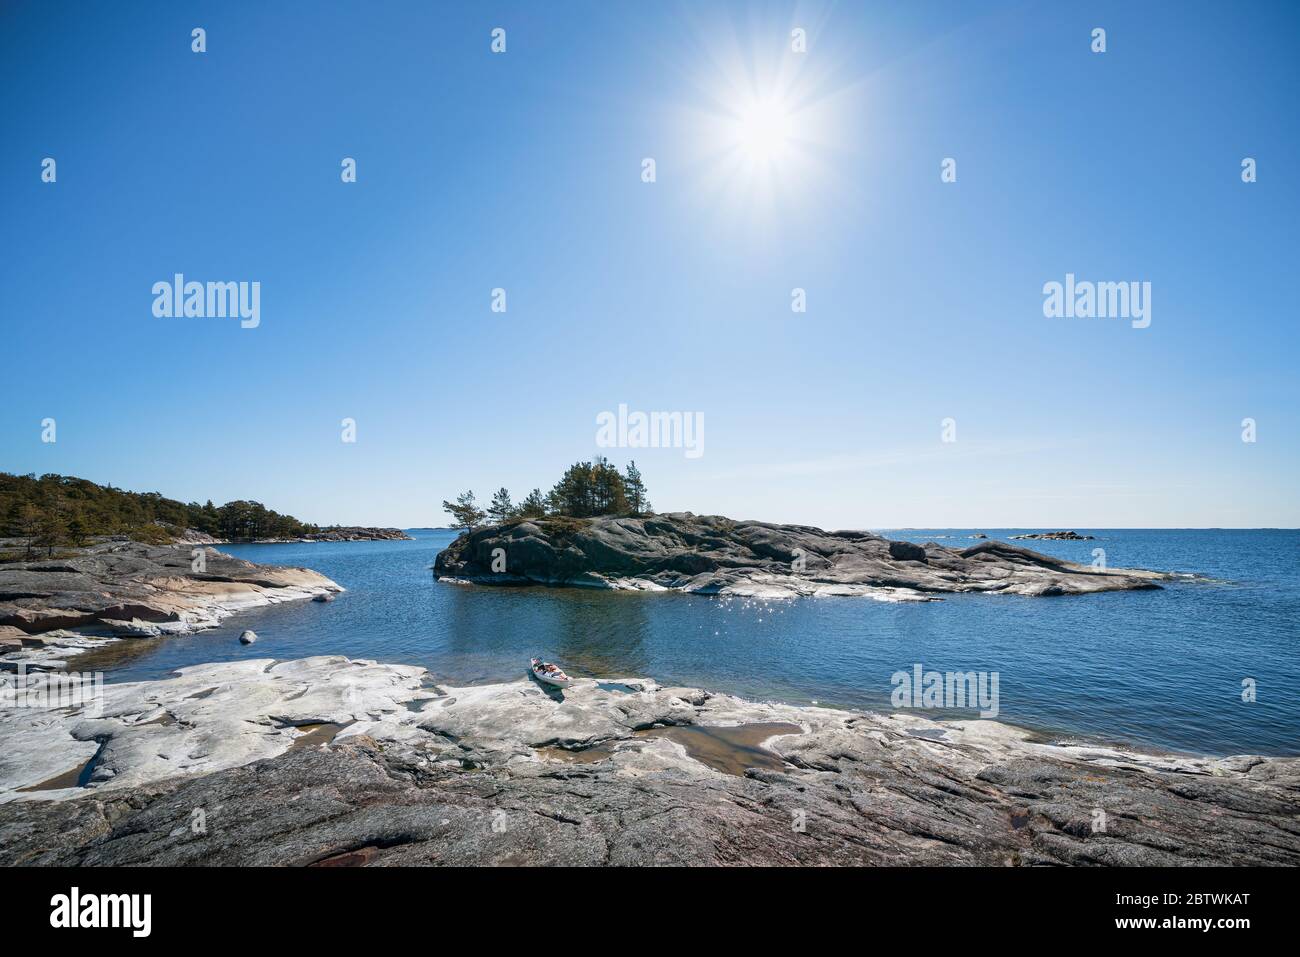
point(1055, 537)
point(709, 554)
point(51, 609)
point(333, 762)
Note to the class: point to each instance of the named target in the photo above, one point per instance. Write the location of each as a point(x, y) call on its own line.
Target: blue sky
point(522, 171)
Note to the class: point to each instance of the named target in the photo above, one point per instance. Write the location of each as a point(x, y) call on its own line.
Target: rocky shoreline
point(337, 762)
point(710, 554)
point(351, 533)
point(53, 609)
point(333, 761)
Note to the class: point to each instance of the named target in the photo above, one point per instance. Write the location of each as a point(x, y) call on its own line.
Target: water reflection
point(594, 634)
point(602, 634)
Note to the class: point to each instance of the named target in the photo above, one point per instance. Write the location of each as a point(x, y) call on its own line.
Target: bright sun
point(763, 129)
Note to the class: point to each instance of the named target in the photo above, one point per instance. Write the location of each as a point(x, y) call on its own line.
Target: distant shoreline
point(348, 533)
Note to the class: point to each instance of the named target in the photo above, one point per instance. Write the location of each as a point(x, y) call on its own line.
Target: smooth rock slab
point(429, 775)
point(210, 717)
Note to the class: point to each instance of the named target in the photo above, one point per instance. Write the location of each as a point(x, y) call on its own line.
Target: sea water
point(1175, 668)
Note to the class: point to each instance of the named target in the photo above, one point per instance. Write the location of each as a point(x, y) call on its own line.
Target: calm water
point(1161, 668)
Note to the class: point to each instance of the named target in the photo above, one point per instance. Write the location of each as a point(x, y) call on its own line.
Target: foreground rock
point(127, 589)
point(714, 555)
point(358, 763)
point(209, 718)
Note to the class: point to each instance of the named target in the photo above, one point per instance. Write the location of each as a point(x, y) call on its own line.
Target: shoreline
point(201, 603)
point(342, 534)
point(56, 609)
point(388, 740)
point(70, 649)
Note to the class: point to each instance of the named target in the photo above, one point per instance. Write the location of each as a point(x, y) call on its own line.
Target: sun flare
point(763, 129)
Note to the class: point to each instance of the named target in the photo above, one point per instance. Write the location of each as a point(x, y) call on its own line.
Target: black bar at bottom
point(330, 907)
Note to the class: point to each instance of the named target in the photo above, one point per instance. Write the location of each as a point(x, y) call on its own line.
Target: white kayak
point(549, 674)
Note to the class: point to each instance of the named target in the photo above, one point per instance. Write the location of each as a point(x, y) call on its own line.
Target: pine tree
point(572, 494)
point(210, 521)
point(533, 506)
point(586, 489)
point(608, 494)
point(53, 530)
point(14, 520)
point(502, 509)
point(77, 531)
point(634, 488)
point(465, 511)
point(554, 504)
point(29, 526)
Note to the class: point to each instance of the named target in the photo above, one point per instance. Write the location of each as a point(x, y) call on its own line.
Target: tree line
point(58, 510)
point(586, 489)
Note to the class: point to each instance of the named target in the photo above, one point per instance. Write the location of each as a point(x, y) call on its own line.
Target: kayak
point(550, 674)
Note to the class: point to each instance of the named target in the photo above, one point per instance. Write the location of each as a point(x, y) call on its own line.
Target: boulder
point(247, 637)
point(906, 552)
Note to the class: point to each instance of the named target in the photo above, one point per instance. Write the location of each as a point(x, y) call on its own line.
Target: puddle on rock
point(166, 719)
point(78, 777)
point(358, 858)
point(730, 750)
point(617, 686)
point(322, 733)
point(417, 704)
point(929, 734)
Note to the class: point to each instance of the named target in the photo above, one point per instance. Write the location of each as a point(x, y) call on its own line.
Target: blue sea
point(1161, 669)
